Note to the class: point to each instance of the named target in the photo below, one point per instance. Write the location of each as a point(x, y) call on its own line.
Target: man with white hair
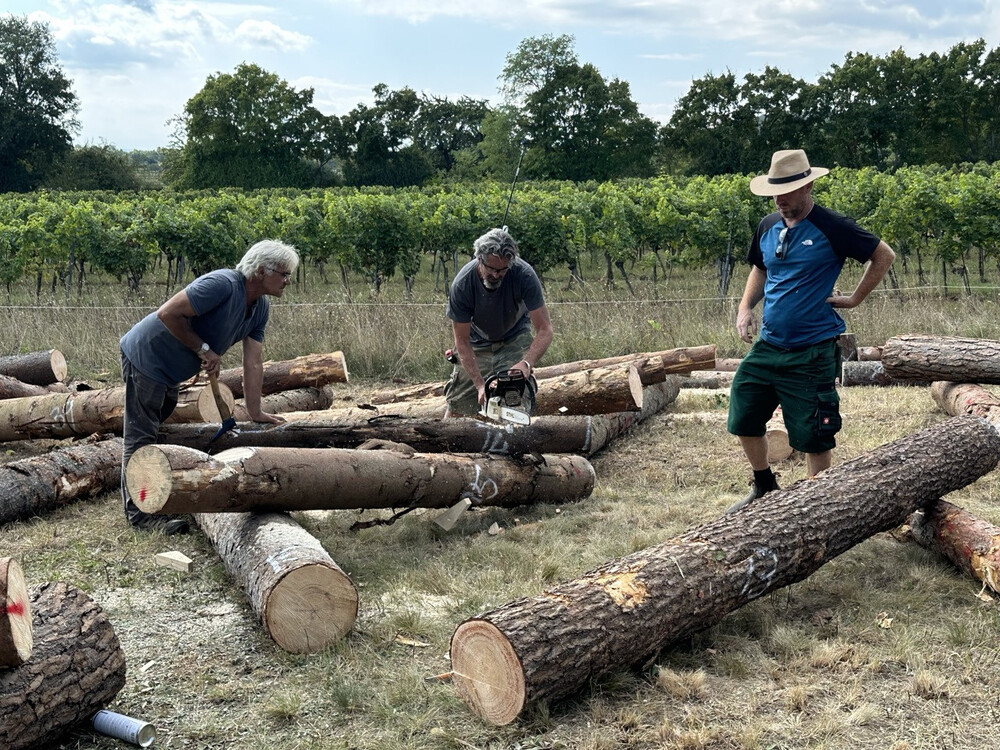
point(796, 256)
point(190, 332)
point(493, 303)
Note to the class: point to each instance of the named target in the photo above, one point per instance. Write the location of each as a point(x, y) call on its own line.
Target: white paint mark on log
point(761, 567)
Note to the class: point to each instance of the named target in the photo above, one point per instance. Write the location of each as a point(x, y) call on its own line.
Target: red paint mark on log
point(14, 608)
point(142, 495)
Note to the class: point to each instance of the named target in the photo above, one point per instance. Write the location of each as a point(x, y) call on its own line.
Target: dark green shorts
point(802, 382)
point(461, 394)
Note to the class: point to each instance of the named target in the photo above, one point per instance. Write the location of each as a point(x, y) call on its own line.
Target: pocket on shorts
point(826, 420)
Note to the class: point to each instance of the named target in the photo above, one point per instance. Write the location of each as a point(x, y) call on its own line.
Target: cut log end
point(487, 672)
point(148, 478)
point(58, 364)
point(312, 607)
point(15, 617)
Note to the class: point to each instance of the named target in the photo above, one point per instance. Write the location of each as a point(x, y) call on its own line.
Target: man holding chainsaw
point(494, 302)
point(190, 332)
point(796, 256)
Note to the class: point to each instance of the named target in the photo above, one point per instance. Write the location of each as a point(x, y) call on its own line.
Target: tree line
point(942, 223)
point(558, 118)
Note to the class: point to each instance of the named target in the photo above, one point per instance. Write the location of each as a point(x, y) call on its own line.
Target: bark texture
point(966, 398)
point(971, 543)
point(61, 415)
point(170, 479)
point(36, 368)
point(15, 615)
point(929, 358)
point(708, 379)
point(297, 399)
point(583, 435)
point(40, 484)
point(871, 372)
point(14, 388)
point(307, 371)
point(76, 669)
point(549, 646)
point(304, 600)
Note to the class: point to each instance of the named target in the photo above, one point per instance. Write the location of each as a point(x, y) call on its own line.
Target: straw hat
point(789, 171)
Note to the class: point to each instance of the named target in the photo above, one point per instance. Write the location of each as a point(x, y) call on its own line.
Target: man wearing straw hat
point(796, 256)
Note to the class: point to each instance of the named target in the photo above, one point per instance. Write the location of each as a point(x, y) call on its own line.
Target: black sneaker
point(167, 525)
point(755, 492)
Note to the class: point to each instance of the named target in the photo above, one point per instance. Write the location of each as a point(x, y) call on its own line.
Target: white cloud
point(255, 33)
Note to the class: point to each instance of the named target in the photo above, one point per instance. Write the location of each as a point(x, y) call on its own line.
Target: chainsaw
point(510, 397)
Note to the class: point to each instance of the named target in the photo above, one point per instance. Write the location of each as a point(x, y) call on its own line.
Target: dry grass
point(887, 646)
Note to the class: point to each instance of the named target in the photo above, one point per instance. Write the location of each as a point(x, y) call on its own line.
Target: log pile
point(308, 371)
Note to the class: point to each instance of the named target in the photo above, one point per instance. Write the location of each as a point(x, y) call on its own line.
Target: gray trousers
point(147, 404)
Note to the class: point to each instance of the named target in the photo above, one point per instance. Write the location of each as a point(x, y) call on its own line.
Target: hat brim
point(760, 185)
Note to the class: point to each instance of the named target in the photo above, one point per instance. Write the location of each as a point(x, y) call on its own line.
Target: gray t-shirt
point(500, 314)
point(219, 299)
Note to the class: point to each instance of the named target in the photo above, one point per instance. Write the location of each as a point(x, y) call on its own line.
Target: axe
point(228, 422)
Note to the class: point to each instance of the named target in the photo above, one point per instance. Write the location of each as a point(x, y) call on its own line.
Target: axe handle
point(220, 402)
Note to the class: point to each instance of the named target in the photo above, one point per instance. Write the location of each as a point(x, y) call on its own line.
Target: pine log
point(971, 543)
point(672, 361)
point(15, 615)
point(40, 484)
point(14, 388)
point(303, 599)
point(848, 347)
point(929, 358)
point(729, 364)
point(171, 479)
point(871, 373)
point(76, 669)
point(966, 398)
point(36, 368)
point(708, 379)
point(549, 646)
point(583, 435)
point(869, 353)
point(307, 371)
point(778, 447)
point(283, 402)
point(197, 404)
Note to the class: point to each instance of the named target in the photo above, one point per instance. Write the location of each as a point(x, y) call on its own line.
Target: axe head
point(227, 424)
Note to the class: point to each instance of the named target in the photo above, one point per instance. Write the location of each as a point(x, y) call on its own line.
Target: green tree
point(533, 64)
point(95, 168)
point(37, 105)
point(580, 127)
point(443, 128)
point(250, 129)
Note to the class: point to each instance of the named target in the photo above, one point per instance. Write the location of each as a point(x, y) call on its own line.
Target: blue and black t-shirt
point(499, 314)
point(802, 264)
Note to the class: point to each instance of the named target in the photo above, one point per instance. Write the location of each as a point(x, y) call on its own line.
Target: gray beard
point(491, 285)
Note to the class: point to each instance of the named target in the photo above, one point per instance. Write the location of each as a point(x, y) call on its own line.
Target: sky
point(134, 64)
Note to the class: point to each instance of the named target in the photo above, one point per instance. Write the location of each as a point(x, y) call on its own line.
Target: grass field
point(888, 646)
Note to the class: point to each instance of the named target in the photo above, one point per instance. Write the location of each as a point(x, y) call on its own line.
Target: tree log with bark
point(549, 646)
point(929, 358)
point(76, 669)
point(40, 484)
point(971, 543)
point(14, 388)
point(871, 373)
point(36, 368)
point(583, 435)
point(303, 599)
point(171, 479)
point(283, 402)
point(307, 371)
point(15, 615)
point(966, 398)
point(653, 368)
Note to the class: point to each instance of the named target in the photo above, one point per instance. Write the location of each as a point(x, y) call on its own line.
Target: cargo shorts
point(802, 381)
point(459, 391)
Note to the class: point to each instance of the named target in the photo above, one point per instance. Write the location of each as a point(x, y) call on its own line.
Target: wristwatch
point(205, 348)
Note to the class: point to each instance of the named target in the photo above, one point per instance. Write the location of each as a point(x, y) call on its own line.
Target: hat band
point(790, 178)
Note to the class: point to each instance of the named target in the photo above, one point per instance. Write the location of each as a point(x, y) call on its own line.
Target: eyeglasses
point(286, 275)
point(491, 269)
point(782, 248)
